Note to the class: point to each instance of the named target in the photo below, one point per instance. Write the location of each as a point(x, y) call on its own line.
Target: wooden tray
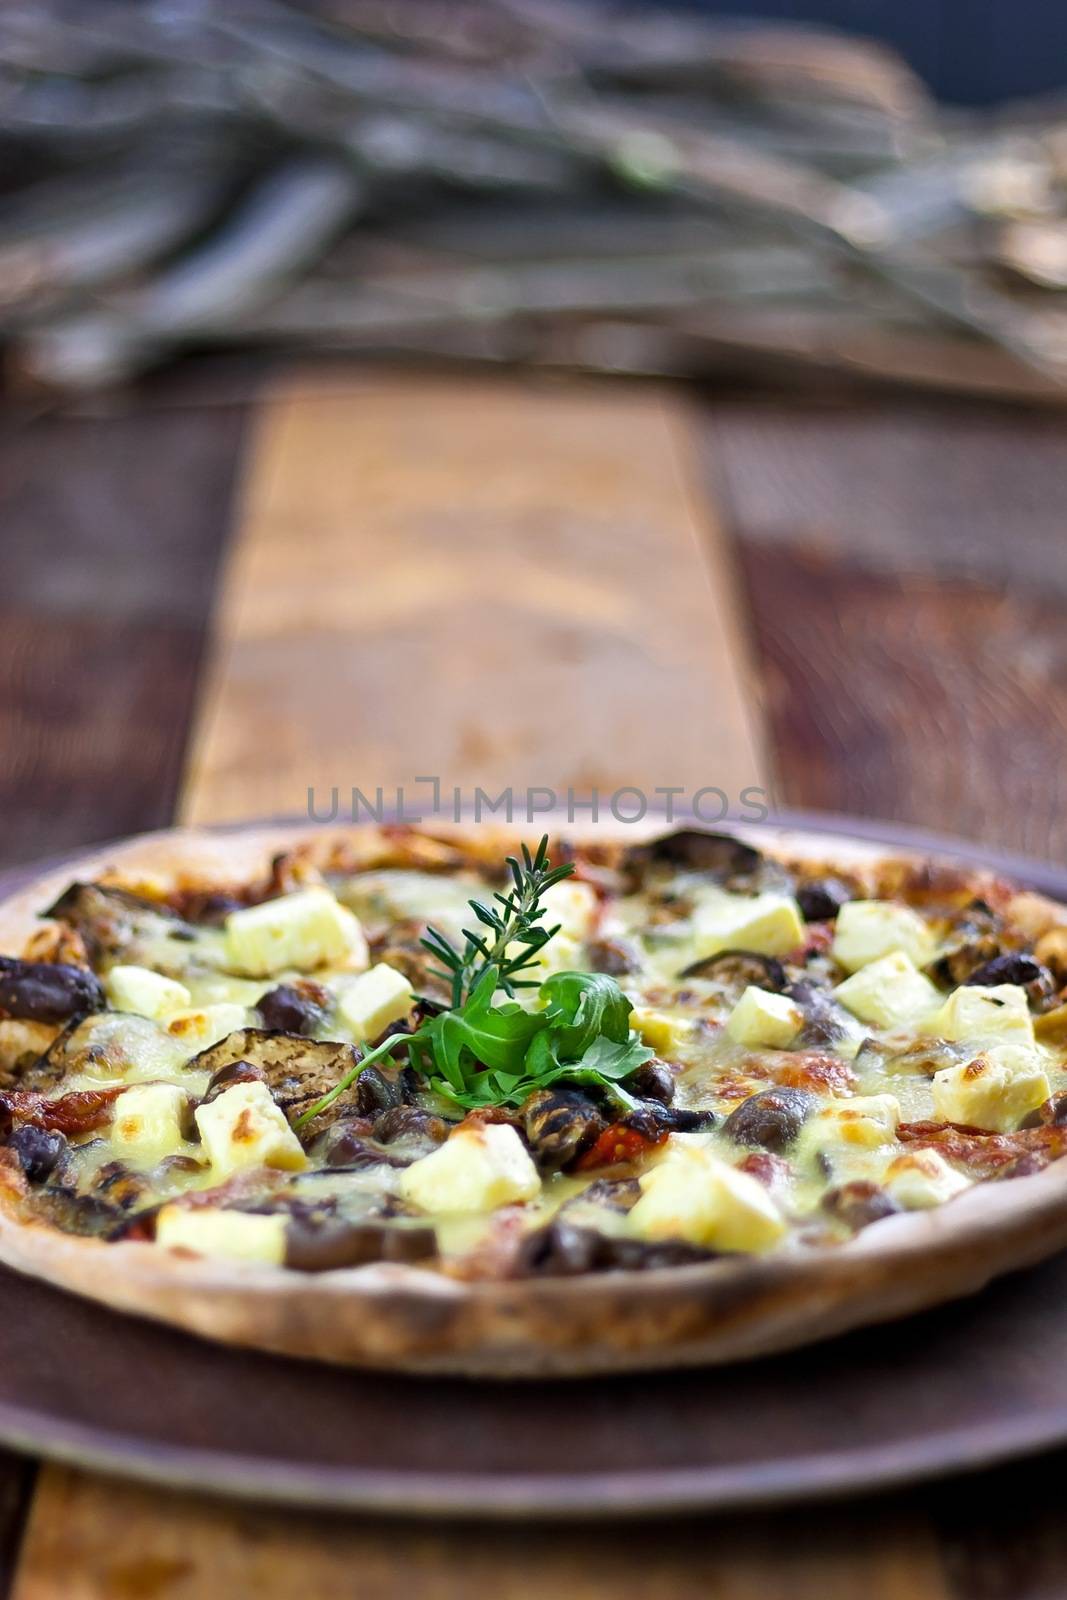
point(960, 1388)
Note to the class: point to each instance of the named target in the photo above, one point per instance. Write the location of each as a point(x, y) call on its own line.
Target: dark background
point(969, 51)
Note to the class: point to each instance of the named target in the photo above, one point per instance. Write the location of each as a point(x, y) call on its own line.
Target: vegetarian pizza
point(461, 1102)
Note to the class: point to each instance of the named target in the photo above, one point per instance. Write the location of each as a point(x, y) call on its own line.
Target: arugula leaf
point(480, 1054)
point(495, 1036)
point(581, 1036)
point(612, 1059)
point(584, 1006)
point(601, 1065)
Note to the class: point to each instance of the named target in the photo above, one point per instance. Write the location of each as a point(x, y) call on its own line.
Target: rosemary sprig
point(515, 922)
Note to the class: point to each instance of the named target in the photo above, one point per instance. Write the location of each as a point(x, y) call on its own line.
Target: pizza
point(456, 1101)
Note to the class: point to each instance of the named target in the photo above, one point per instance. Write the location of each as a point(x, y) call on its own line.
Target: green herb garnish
point(478, 1053)
point(515, 924)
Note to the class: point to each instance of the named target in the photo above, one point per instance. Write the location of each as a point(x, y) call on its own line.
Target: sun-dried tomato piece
point(771, 1170)
point(983, 1154)
point(616, 1144)
point(80, 1111)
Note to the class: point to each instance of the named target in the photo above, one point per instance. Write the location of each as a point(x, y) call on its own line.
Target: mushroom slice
point(47, 991)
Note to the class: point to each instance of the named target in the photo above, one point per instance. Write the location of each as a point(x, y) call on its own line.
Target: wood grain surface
point(93, 1537)
point(111, 530)
point(907, 577)
point(489, 583)
point(867, 540)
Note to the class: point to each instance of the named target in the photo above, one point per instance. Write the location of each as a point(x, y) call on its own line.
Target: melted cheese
point(968, 1056)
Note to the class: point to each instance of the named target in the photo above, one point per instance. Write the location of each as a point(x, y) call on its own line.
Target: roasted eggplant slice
point(736, 969)
point(615, 956)
point(116, 925)
point(972, 942)
point(728, 860)
point(106, 1044)
point(825, 1022)
point(412, 1128)
point(89, 1215)
point(562, 1249)
point(331, 1243)
point(652, 1081)
point(38, 1150)
point(44, 991)
point(298, 1071)
point(293, 1008)
point(1014, 966)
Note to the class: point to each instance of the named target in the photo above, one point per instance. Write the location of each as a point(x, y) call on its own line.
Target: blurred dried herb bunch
point(546, 182)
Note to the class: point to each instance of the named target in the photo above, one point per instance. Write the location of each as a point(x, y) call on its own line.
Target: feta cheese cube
point(368, 1004)
point(692, 1194)
point(994, 1091)
point(761, 1018)
point(976, 1012)
point(863, 1122)
point(866, 930)
point(202, 1026)
point(244, 1128)
point(769, 924)
point(300, 931)
point(574, 908)
point(211, 1231)
point(923, 1178)
point(478, 1168)
point(663, 1034)
point(147, 993)
point(573, 905)
point(147, 1121)
point(888, 992)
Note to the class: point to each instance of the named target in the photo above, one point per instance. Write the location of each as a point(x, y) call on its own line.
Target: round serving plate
point(974, 1383)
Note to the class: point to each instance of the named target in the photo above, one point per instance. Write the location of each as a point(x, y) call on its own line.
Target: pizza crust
point(404, 1318)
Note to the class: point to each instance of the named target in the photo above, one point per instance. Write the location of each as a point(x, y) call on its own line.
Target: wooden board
point(973, 1382)
point(488, 582)
point(866, 501)
point(96, 1538)
point(907, 580)
point(483, 581)
point(107, 580)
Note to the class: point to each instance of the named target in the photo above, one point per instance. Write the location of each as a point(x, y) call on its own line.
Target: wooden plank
point(908, 589)
point(93, 1539)
point(18, 1477)
point(957, 493)
point(957, 668)
point(106, 593)
point(111, 531)
point(490, 582)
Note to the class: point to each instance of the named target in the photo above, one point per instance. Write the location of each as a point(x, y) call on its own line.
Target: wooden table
point(235, 589)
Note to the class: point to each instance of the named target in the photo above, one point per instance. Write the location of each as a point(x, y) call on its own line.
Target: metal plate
point(959, 1388)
